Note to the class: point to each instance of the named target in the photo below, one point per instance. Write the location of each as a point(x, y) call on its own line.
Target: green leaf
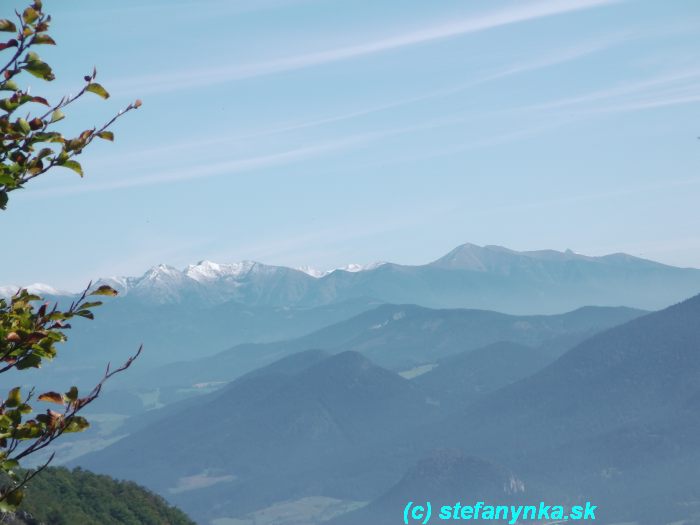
point(105, 290)
point(9, 464)
point(96, 88)
point(73, 165)
point(43, 39)
point(14, 398)
point(8, 105)
point(6, 178)
point(30, 15)
point(3, 200)
point(72, 394)
point(7, 26)
point(24, 125)
point(31, 361)
point(15, 498)
point(39, 69)
point(9, 85)
point(48, 136)
point(29, 431)
point(87, 314)
point(94, 304)
point(56, 116)
point(76, 424)
point(106, 135)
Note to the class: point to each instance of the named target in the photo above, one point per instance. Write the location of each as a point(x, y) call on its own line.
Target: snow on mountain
point(36, 288)
point(351, 268)
point(164, 283)
point(209, 281)
point(447, 282)
point(354, 268)
point(206, 281)
point(45, 289)
point(8, 290)
point(313, 272)
point(120, 284)
point(208, 271)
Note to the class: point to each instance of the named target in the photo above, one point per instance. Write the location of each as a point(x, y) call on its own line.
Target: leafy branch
point(30, 146)
point(30, 329)
point(28, 337)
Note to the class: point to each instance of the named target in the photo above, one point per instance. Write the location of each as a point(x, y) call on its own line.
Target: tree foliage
point(64, 497)
point(31, 145)
point(30, 329)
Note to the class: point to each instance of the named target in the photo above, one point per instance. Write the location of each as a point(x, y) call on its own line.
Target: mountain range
point(470, 276)
point(320, 436)
point(207, 308)
point(614, 421)
point(268, 395)
point(402, 338)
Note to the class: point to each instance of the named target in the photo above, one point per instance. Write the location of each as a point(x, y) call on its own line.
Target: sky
point(328, 132)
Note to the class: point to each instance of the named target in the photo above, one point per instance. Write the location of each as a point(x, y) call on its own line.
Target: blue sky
point(323, 132)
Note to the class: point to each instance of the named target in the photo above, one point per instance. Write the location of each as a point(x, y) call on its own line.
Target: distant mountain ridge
point(272, 426)
point(323, 398)
point(470, 276)
point(400, 337)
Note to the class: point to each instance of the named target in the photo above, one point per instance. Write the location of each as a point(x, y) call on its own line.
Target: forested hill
point(59, 496)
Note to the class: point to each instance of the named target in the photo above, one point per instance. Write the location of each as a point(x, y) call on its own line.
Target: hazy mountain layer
point(401, 337)
point(263, 432)
point(604, 422)
point(613, 421)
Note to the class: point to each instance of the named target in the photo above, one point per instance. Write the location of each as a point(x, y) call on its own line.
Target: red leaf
point(41, 100)
point(9, 43)
point(51, 397)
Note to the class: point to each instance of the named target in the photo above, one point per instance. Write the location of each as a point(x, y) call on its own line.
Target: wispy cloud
point(665, 89)
point(671, 97)
point(229, 167)
point(192, 77)
point(467, 145)
point(263, 161)
point(522, 66)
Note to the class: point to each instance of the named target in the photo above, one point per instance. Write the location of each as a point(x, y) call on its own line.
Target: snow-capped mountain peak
point(165, 283)
point(8, 290)
point(351, 268)
point(208, 270)
point(120, 284)
point(354, 268)
point(160, 271)
point(313, 272)
point(45, 289)
point(203, 270)
point(36, 288)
